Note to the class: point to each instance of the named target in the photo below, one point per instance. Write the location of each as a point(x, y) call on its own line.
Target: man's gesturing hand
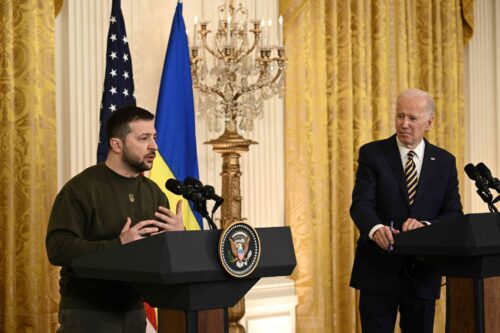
point(169, 222)
point(172, 222)
point(138, 231)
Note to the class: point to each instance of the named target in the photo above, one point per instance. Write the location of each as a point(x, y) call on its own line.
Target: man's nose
point(153, 145)
point(405, 122)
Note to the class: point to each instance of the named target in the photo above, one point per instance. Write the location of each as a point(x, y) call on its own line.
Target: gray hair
point(414, 92)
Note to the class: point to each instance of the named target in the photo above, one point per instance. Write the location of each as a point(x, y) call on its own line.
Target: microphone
point(206, 190)
point(493, 183)
point(209, 193)
point(191, 181)
point(473, 173)
point(191, 190)
point(187, 191)
point(481, 183)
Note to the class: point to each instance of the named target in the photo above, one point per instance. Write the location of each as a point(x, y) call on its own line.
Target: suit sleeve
point(363, 207)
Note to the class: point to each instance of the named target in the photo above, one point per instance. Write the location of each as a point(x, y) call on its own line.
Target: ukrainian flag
point(174, 122)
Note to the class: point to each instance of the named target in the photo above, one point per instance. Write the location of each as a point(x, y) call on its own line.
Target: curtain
point(348, 61)
point(28, 283)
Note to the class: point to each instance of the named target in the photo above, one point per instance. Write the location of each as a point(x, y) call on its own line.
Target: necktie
point(411, 177)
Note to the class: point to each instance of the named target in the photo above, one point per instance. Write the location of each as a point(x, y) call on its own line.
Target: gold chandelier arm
point(203, 88)
point(256, 40)
point(258, 85)
point(276, 77)
point(206, 47)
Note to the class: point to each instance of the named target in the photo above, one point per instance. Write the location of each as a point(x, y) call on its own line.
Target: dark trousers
point(378, 311)
point(94, 321)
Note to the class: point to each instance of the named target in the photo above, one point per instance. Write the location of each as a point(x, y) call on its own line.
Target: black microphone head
point(493, 183)
point(481, 183)
point(209, 193)
point(191, 181)
point(193, 194)
point(471, 171)
point(174, 186)
point(484, 171)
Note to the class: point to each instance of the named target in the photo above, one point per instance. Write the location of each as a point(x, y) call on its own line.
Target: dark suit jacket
point(380, 196)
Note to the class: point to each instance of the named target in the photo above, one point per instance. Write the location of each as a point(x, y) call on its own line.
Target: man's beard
point(134, 163)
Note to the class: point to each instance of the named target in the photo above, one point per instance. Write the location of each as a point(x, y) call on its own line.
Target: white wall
point(482, 72)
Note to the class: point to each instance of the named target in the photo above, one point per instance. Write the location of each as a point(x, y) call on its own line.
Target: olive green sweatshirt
point(88, 215)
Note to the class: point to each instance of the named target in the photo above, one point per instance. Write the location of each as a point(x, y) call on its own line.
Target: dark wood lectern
point(467, 251)
point(180, 273)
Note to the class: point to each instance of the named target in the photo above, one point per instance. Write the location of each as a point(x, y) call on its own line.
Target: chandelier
point(236, 69)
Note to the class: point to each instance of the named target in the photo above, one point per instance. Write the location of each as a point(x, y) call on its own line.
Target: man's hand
point(383, 237)
point(411, 224)
point(139, 230)
point(171, 221)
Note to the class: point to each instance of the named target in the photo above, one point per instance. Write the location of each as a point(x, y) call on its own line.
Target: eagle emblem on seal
point(240, 249)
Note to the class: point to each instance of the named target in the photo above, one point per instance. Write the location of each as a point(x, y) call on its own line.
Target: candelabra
point(233, 72)
point(237, 69)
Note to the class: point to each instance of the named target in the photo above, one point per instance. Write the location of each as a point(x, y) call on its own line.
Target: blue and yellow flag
point(174, 123)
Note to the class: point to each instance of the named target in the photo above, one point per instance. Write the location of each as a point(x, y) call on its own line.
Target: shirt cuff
point(425, 222)
point(375, 228)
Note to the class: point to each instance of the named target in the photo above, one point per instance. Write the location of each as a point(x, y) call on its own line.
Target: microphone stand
point(489, 200)
point(201, 207)
point(492, 207)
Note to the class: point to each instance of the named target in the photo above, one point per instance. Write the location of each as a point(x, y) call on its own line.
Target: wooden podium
point(467, 251)
point(180, 273)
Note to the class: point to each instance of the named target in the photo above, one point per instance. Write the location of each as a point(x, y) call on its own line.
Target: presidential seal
point(239, 249)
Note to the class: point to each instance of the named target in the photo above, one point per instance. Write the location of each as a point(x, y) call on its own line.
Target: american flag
point(118, 79)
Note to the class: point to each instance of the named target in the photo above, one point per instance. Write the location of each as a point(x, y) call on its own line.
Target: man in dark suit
point(402, 183)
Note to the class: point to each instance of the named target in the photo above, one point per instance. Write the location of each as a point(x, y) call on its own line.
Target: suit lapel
point(394, 159)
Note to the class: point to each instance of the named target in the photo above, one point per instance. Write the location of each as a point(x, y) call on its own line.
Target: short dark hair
point(118, 124)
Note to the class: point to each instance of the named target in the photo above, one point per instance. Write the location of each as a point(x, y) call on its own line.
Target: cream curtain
point(348, 60)
point(28, 284)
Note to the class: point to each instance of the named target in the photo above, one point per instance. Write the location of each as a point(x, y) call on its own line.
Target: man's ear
point(429, 123)
point(116, 145)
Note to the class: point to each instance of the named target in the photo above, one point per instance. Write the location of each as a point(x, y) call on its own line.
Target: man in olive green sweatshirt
point(104, 206)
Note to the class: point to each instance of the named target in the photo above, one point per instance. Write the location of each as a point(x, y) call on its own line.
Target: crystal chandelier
point(236, 69)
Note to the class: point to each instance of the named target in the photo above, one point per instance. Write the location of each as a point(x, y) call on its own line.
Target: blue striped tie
point(411, 177)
